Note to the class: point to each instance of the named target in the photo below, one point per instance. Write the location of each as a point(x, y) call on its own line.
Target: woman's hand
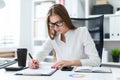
point(62, 63)
point(34, 64)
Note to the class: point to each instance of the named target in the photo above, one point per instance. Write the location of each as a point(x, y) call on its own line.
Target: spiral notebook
point(43, 71)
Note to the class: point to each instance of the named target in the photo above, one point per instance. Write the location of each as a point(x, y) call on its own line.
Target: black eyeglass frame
point(57, 23)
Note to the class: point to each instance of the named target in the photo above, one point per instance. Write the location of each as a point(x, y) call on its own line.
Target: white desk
point(59, 75)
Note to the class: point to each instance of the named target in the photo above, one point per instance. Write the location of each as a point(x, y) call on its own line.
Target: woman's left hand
point(62, 63)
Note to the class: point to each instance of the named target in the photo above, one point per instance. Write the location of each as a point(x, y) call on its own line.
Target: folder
point(114, 27)
point(42, 71)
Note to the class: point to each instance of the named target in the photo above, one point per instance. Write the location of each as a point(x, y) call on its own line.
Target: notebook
point(93, 69)
point(42, 71)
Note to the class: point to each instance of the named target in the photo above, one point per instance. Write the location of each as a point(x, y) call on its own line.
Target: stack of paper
point(93, 69)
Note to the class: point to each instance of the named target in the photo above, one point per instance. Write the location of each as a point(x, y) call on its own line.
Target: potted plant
point(115, 54)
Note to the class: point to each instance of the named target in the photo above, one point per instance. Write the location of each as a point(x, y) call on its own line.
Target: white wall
point(115, 3)
point(26, 24)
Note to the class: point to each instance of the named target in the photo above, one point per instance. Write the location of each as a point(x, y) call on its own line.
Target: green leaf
point(115, 52)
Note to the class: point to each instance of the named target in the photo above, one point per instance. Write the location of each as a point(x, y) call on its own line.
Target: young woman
point(73, 46)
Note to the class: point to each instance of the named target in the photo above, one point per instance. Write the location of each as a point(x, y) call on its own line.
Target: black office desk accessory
point(5, 63)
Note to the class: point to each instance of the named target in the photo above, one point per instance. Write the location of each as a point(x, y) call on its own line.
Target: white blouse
point(78, 46)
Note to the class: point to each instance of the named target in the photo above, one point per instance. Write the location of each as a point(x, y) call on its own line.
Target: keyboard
point(4, 63)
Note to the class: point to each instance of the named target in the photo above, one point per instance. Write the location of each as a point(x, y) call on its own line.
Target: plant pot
point(115, 58)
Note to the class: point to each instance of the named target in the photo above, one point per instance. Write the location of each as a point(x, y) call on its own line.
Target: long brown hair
point(61, 11)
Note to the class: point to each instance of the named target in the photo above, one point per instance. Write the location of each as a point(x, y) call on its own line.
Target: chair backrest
point(95, 27)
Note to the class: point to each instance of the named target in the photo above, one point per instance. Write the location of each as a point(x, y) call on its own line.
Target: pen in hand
point(35, 62)
point(30, 56)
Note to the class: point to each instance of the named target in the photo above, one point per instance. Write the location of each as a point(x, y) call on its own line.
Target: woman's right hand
point(33, 64)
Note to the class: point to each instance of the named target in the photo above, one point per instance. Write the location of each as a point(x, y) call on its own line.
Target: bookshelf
point(39, 13)
point(110, 20)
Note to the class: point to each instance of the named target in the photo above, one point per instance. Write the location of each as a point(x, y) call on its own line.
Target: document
point(116, 73)
point(42, 71)
point(93, 69)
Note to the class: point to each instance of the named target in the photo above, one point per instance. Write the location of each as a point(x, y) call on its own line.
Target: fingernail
point(34, 62)
point(53, 67)
point(56, 67)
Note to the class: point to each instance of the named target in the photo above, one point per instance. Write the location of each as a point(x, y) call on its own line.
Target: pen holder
point(21, 56)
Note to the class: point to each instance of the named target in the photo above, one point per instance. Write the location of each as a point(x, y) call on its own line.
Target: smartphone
point(15, 68)
point(67, 68)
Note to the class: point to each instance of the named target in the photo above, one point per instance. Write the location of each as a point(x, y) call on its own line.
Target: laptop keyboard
point(4, 63)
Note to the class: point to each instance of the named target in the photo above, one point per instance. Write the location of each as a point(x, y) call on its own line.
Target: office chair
point(95, 27)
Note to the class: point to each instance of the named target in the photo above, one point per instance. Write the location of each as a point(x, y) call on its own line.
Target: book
point(93, 69)
point(42, 71)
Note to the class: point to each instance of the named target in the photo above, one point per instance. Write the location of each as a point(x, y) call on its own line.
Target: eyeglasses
point(58, 24)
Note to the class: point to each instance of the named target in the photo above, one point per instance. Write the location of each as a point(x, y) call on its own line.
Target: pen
point(30, 56)
point(29, 74)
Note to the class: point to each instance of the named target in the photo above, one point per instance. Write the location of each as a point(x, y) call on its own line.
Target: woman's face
point(58, 24)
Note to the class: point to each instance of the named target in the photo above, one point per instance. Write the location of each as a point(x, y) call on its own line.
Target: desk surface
point(58, 75)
